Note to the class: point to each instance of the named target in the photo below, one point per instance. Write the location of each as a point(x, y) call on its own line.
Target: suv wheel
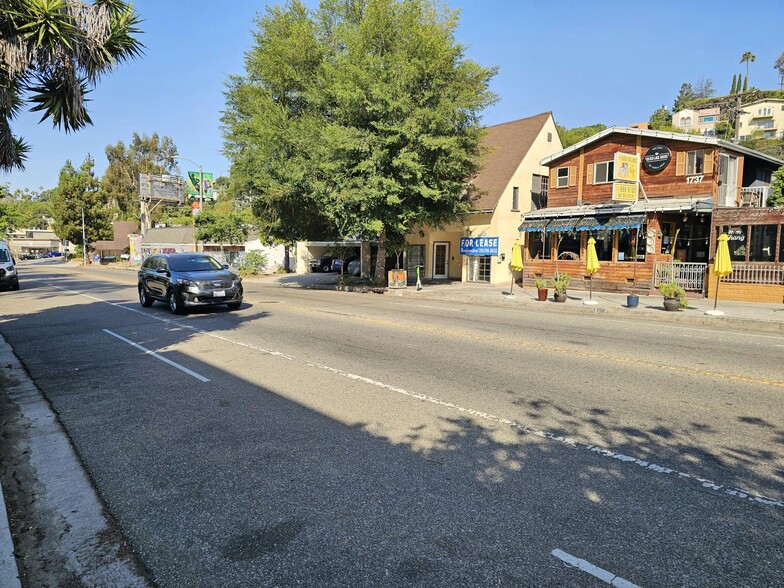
point(144, 298)
point(325, 268)
point(175, 306)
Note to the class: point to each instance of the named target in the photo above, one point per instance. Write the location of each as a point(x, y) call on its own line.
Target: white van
point(9, 278)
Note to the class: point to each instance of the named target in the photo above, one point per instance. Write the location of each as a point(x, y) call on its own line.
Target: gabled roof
point(507, 145)
point(696, 139)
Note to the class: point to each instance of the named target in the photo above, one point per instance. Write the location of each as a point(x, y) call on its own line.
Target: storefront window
point(604, 244)
point(535, 245)
point(479, 268)
point(762, 246)
point(737, 242)
point(628, 240)
point(415, 257)
point(569, 247)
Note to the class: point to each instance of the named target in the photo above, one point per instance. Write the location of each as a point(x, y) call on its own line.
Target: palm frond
point(62, 97)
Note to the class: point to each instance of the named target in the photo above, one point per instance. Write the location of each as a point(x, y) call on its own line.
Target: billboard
point(160, 188)
point(192, 183)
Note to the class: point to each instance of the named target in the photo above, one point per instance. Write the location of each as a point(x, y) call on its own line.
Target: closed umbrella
point(722, 266)
point(517, 261)
point(592, 262)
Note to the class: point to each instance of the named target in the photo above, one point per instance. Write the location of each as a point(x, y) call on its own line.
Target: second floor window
point(603, 172)
point(695, 162)
point(562, 177)
point(515, 198)
point(539, 191)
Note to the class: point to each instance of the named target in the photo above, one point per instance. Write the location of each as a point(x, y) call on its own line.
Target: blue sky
point(610, 62)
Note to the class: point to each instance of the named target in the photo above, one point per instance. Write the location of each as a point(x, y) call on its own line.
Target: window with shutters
point(562, 177)
point(695, 162)
point(603, 172)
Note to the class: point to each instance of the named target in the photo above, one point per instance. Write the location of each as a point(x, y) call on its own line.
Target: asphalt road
point(320, 438)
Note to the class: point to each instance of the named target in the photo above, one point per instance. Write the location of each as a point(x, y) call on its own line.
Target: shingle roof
point(507, 143)
point(173, 235)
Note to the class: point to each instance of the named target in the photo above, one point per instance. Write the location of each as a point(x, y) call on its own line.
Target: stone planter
point(671, 304)
point(560, 296)
point(541, 294)
point(632, 300)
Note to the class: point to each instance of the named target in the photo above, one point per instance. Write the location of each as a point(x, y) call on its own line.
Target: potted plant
point(559, 284)
point(674, 296)
point(541, 290)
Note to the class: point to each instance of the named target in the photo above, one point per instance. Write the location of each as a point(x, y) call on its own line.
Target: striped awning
point(562, 225)
point(536, 225)
point(626, 221)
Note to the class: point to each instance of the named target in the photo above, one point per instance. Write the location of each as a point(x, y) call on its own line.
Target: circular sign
point(656, 158)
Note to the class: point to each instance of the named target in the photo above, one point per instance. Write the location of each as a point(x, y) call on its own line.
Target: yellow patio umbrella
point(722, 264)
point(517, 261)
point(592, 262)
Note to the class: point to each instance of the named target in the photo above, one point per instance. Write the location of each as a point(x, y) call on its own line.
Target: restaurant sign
point(479, 245)
point(625, 191)
point(656, 158)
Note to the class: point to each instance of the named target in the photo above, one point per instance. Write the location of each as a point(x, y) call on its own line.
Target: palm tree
point(52, 53)
point(748, 57)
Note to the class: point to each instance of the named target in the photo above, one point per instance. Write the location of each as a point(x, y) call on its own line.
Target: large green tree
point(361, 118)
point(779, 66)
point(145, 154)
point(79, 190)
point(685, 95)
point(52, 53)
point(571, 136)
point(222, 228)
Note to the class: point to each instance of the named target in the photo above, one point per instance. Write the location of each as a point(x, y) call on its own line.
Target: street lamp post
point(201, 179)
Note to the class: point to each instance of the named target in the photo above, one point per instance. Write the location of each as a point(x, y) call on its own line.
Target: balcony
point(755, 196)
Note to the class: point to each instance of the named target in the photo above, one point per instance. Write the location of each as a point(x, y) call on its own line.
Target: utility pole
point(84, 241)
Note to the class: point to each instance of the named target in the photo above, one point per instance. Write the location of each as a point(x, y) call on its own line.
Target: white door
point(728, 178)
point(440, 261)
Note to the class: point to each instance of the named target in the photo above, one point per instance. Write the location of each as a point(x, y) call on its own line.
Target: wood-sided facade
point(671, 219)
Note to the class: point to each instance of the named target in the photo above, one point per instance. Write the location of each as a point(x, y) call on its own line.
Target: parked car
point(185, 280)
point(354, 267)
point(54, 254)
point(338, 263)
point(9, 278)
point(321, 264)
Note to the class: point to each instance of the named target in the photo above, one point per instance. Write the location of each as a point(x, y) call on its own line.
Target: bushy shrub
point(252, 263)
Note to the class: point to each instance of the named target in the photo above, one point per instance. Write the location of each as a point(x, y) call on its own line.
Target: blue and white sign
point(479, 245)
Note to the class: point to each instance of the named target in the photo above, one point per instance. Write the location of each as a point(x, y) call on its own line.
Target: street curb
point(9, 573)
point(651, 314)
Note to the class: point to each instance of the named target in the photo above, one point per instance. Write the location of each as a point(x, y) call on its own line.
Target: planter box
point(397, 279)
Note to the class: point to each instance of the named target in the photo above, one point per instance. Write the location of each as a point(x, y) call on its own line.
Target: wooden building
point(651, 200)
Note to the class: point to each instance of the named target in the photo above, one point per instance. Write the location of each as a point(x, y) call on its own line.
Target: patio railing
point(689, 276)
point(755, 196)
point(747, 273)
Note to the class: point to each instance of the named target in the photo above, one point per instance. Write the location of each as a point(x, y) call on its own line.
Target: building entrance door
point(440, 261)
point(728, 180)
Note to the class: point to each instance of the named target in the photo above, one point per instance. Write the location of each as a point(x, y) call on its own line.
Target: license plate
point(219, 293)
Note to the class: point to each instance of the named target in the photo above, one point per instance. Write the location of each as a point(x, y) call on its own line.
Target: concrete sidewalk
point(751, 316)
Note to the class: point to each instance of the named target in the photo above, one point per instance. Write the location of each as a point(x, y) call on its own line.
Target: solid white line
point(589, 568)
point(156, 356)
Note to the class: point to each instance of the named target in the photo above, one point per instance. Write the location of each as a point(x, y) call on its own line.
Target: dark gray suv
point(184, 280)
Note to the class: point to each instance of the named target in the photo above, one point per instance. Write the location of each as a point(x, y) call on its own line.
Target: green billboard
point(192, 184)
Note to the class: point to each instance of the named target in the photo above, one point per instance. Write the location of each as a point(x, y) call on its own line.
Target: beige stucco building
point(509, 177)
point(764, 116)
